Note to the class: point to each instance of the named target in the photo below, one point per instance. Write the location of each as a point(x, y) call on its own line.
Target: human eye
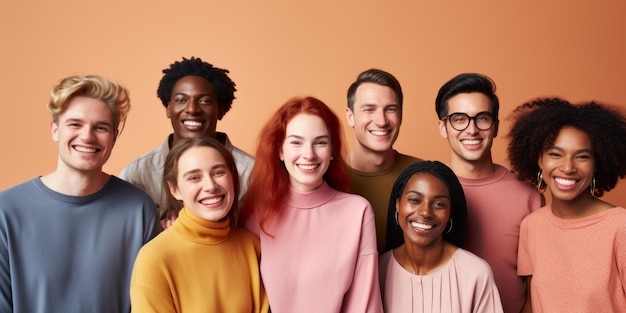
point(440, 205)
point(321, 142)
point(554, 154)
point(414, 200)
point(458, 118)
point(193, 178)
point(295, 142)
point(180, 100)
point(219, 172)
point(391, 109)
point(206, 100)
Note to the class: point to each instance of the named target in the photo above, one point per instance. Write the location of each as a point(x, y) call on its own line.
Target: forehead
point(374, 94)
point(87, 109)
point(427, 184)
point(193, 83)
point(571, 138)
point(470, 103)
point(306, 125)
point(199, 158)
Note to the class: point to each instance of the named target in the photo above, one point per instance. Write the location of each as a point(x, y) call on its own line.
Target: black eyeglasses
point(460, 121)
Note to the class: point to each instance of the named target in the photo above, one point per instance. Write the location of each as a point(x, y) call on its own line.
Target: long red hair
point(269, 180)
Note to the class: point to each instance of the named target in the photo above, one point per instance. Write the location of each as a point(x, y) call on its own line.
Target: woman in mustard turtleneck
point(202, 263)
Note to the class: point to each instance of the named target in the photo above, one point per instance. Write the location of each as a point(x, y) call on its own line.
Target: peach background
point(279, 49)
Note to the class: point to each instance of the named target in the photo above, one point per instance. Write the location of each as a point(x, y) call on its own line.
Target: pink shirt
point(577, 265)
point(322, 256)
point(496, 205)
point(465, 284)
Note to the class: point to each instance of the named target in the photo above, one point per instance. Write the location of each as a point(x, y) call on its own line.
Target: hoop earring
point(449, 229)
point(593, 187)
point(540, 186)
point(397, 218)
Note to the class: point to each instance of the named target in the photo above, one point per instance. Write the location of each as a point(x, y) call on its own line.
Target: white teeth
point(192, 123)
point(421, 226)
point(308, 167)
point(212, 200)
point(85, 149)
point(566, 182)
point(471, 142)
point(379, 132)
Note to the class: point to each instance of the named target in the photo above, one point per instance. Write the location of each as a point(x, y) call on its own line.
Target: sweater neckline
point(310, 199)
point(199, 230)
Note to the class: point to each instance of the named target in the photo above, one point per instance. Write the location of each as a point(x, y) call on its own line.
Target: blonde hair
point(93, 86)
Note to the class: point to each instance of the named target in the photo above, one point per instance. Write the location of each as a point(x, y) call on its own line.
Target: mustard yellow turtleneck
point(198, 266)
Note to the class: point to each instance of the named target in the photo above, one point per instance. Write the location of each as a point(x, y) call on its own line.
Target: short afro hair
point(222, 84)
point(536, 125)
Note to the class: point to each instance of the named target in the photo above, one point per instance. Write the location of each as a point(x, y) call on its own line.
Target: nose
point(380, 118)
point(424, 210)
point(568, 165)
point(87, 134)
point(210, 185)
point(308, 152)
point(192, 106)
point(471, 128)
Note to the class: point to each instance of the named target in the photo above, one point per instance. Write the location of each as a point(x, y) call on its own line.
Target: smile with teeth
point(421, 226)
point(192, 123)
point(565, 182)
point(470, 142)
point(85, 149)
point(380, 132)
point(308, 167)
point(213, 200)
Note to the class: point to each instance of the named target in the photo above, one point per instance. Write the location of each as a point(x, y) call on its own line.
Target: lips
point(421, 226)
point(380, 132)
point(85, 149)
point(212, 200)
point(308, 167)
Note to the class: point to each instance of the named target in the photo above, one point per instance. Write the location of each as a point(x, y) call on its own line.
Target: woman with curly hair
point(573, 250)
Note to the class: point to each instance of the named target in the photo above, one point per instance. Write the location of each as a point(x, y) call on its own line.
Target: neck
point(368, 161)
point(73, 183)
point(423, 260)
point(472, 169)
point(583, 205)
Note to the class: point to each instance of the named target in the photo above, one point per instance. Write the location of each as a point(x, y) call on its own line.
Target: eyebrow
point(70, 120)
point(301, 137)
point(577, 151)
point(421, 194)
point(196, 170)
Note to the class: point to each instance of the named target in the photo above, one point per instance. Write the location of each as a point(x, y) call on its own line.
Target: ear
point(220, 112)
point(167, 111)
point(496, 126)
point(54, 129)
point(174, 191)
point(350, 117)
point(443, 132)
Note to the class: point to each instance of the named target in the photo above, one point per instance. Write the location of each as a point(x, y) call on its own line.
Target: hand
point(169, 220)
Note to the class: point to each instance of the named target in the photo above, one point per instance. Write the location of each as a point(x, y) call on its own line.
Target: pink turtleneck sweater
point(198, 266)
point(322, 256)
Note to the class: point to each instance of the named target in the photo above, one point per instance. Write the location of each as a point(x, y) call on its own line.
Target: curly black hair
point(536, 125)
point(456, 236)
point(222, 84)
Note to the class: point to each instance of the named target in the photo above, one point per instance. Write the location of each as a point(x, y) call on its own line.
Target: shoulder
point(472, 264)
point(351, 198)
point(405, 160)
point(152, 159)
point(125, 190)
point(19, 193)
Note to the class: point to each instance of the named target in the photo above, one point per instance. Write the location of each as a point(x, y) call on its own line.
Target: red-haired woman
point(318, 243)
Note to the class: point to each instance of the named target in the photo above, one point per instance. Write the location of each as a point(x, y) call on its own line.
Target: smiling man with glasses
point(497, 201)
